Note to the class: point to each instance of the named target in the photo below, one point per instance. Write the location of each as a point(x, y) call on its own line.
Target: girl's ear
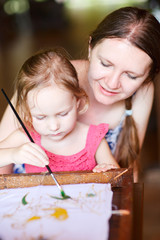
point(82, 105)
point(89, 47)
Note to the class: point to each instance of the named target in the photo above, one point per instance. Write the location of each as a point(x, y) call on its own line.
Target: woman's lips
point(106, 92)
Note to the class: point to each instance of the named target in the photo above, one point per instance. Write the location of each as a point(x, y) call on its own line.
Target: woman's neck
point(100, 113)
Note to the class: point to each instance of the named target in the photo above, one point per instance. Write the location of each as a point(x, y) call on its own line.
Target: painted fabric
point(35, 213)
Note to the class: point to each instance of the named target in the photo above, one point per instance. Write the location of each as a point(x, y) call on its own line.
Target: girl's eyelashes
point(42, 117)
point(63, 114)
point(39, 117)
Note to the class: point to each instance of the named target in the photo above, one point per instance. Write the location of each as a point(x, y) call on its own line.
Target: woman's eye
point(105, 64)
point(132, 77)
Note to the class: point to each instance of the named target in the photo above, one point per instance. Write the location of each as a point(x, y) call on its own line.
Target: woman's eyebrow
point(105, 59)
point(135, 73)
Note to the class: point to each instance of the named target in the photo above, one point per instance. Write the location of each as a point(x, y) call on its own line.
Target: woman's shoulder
point(79, 63)
point(81, 67)
point(144, 95)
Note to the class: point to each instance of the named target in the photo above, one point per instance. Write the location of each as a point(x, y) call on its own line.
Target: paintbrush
point(64, 196)
point(120, 174)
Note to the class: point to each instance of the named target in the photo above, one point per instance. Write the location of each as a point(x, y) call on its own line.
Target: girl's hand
point(30, 153)
point(103, 167)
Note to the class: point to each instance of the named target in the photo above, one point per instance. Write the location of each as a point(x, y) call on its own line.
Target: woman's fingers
point(103, 167)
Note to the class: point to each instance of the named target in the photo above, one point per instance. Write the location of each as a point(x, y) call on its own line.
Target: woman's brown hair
point(41, 70)
point(142, 30)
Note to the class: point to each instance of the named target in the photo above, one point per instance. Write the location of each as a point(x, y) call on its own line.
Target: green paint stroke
point(24, 202)
point(59, 198)
point(90, 194)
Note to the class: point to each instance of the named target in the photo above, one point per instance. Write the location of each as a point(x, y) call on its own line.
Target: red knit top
point(83, 160)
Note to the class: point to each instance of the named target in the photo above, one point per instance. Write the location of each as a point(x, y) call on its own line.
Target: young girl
point(48, 101)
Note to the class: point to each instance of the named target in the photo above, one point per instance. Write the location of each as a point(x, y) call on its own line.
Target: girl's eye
point(40, 117)
point(63, 114)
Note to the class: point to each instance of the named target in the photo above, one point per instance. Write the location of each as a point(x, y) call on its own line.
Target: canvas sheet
point(35, 213)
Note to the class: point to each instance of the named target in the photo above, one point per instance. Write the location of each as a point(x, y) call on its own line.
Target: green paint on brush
point(64, 196)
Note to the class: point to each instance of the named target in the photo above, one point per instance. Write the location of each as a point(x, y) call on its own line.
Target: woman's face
point(117, 69)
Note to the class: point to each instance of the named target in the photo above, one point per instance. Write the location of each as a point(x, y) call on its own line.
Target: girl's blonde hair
point(41, 70)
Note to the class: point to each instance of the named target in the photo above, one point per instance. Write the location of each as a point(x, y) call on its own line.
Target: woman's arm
point(104, 158)
point(7, 169)
point(8, 122)
point(142, 106)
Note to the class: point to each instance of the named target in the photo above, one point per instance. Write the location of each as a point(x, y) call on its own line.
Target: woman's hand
point(103, 167)
point(29, 153)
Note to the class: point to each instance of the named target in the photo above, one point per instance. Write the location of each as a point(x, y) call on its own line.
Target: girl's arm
point(104, 158)
point(18, 149)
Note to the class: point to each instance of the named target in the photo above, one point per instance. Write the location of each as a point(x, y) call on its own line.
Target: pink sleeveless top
point(83, 160)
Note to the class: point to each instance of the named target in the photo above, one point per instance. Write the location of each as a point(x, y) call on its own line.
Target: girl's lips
point(54, 135)
point(106, 92)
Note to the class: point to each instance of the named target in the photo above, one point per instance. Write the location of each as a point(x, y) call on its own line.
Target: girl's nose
point(53, 124)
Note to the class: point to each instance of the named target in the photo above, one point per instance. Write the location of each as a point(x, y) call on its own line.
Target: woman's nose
point(113, 81)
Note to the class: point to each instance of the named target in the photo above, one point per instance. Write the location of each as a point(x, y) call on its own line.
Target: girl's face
point(53, 111)
point(117, 69)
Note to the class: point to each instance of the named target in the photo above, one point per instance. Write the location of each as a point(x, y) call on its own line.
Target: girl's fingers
point(39, 149)
point(31, 153)
point(37, 154)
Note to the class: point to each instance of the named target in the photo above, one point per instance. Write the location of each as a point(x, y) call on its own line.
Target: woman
point(124, 58)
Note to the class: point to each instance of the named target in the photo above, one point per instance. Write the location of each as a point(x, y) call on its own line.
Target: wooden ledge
point(35, 179)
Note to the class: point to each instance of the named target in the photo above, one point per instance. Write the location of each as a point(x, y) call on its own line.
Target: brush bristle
point(64, 195)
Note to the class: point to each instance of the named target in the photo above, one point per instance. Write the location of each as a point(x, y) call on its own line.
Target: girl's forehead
point(51, 96)
point(40, 92)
